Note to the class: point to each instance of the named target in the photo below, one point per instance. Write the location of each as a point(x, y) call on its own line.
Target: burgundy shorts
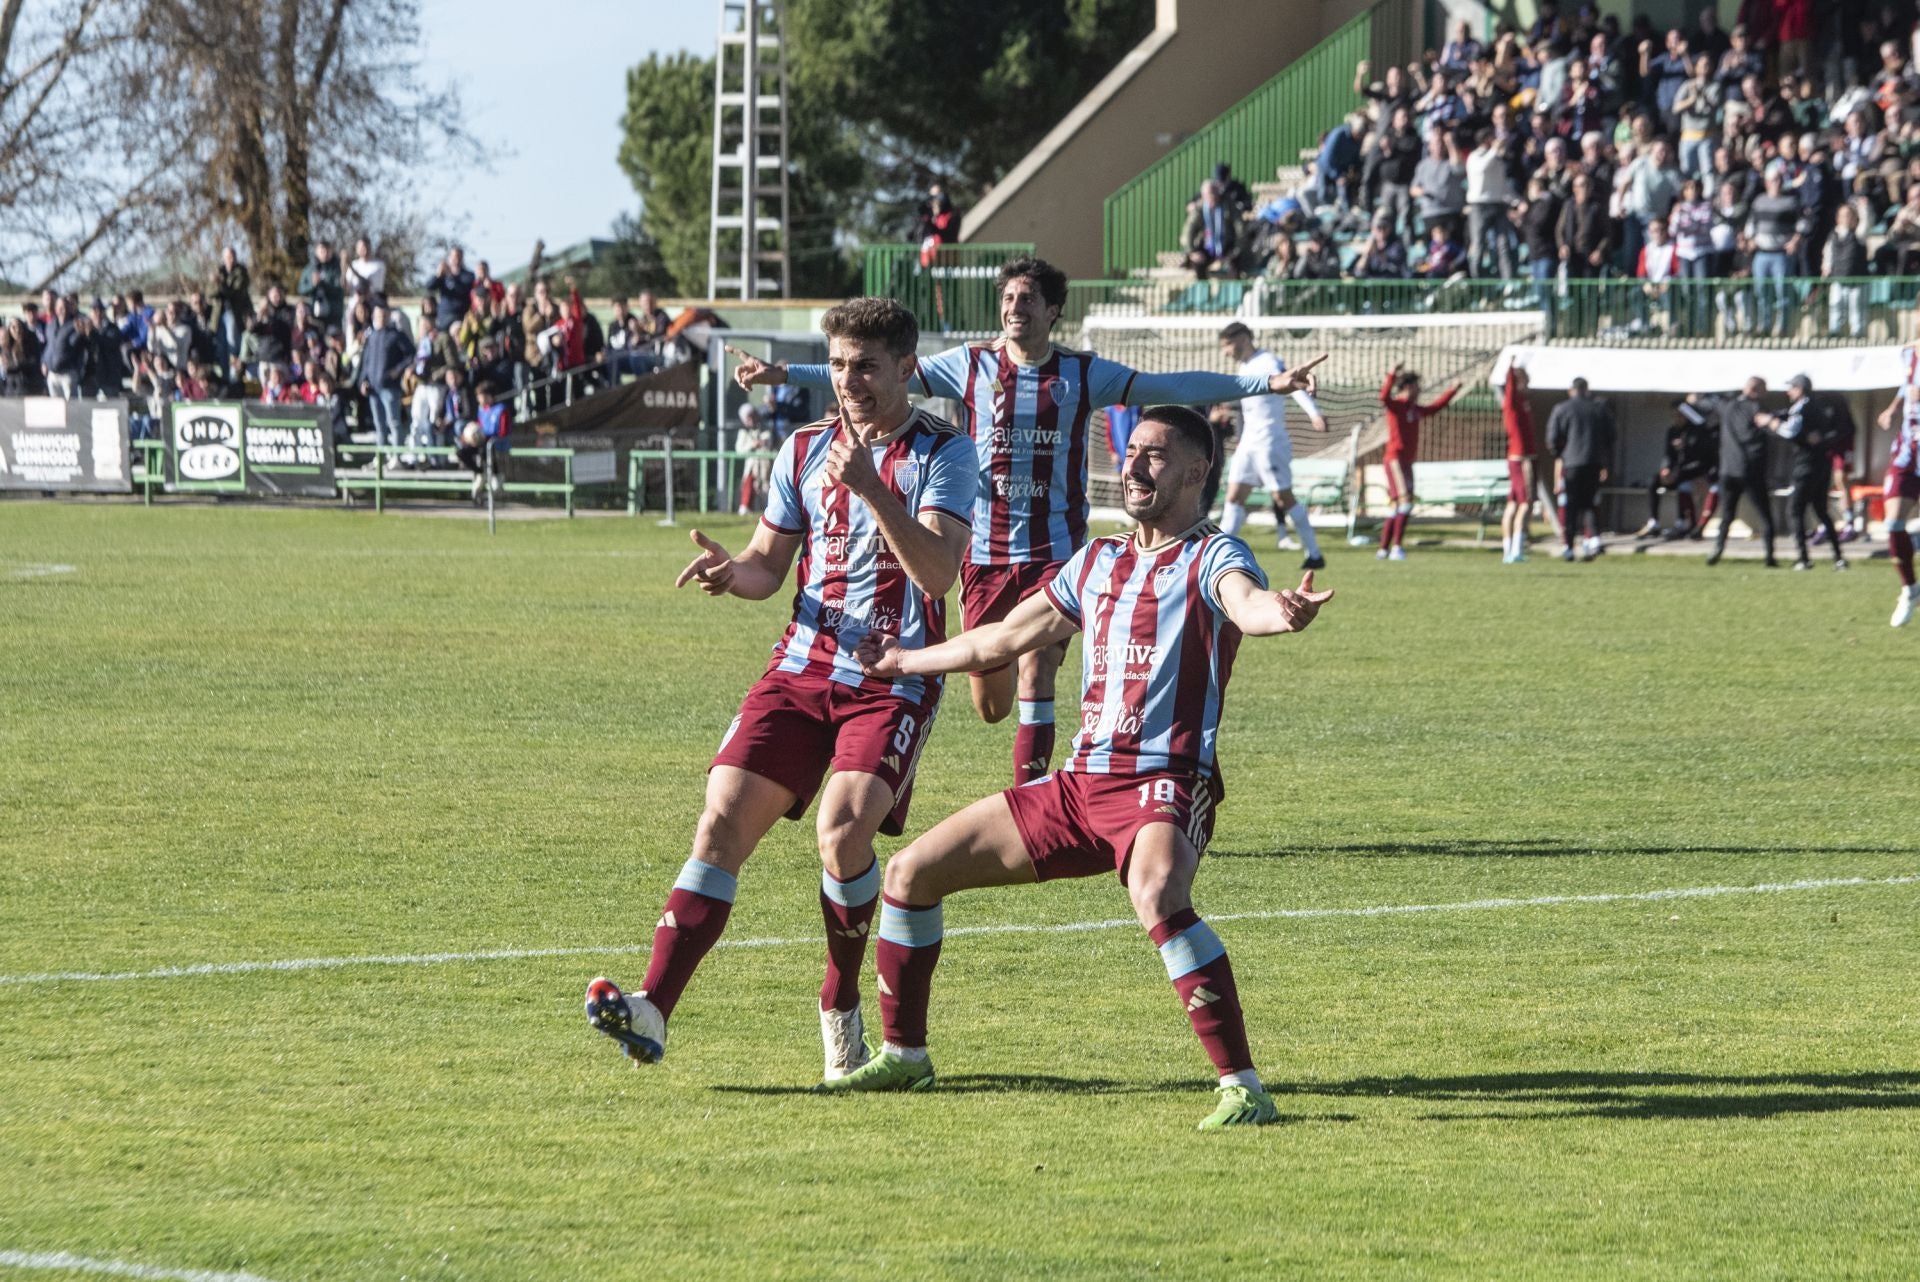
point(1076, 824)
point(1901, 483)
point(1394, 491)
point(791, 729)
point(1517, 481)
point(988, 593)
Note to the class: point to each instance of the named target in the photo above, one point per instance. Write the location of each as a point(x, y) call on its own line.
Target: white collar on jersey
point(1169, 541)
point(906, 425)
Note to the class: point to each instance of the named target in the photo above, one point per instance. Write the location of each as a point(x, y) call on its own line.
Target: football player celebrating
point(1026, 403)
point(1400, 394)
point(1163, 609)
point(1902, 487)
point(875, 499)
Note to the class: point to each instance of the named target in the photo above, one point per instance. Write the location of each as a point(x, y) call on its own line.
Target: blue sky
point(554, 173)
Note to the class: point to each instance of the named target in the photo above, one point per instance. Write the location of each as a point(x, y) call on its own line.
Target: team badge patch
point(906, 472)
point(1055, 388)
point(1163, 576)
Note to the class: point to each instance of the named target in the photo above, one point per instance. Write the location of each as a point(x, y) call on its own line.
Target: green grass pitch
point(245, 735)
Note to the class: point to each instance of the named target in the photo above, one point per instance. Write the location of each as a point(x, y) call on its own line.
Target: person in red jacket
point(1400, 394)
point(1516, 415)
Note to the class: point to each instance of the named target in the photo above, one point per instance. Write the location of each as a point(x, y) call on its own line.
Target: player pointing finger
point(713, 568)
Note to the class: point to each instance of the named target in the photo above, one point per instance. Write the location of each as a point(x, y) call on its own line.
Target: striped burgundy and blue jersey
point(1906, 442)
point(1029, 429)
point(1157, 649)
point(848, 582)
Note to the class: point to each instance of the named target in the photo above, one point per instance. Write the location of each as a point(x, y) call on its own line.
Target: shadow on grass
point(1540, 848)
point(1005, 1084)
point(1637, 1095)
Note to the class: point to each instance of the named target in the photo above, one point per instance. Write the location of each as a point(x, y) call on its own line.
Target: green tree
point(885, 97)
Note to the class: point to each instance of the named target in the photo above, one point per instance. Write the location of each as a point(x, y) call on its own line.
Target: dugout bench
point(1479, 482)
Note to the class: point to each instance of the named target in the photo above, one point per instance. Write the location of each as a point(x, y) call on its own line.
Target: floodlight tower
point(750, 227)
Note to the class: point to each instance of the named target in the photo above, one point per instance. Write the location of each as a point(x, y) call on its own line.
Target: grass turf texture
point(237, 734)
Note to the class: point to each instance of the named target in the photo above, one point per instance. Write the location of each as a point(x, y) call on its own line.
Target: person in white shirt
point(1489, 194)
point(1264, 454)
point(366, 275)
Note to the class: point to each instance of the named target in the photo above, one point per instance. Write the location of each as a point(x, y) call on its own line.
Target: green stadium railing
point(380, 482)
point(951, 295)
point(708, 464)
point(1266, 129)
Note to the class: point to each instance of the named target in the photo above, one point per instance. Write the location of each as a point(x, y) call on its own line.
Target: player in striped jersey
point(1163, 610)
point(1026, 403)
point(1902, 488)
point(875, 502)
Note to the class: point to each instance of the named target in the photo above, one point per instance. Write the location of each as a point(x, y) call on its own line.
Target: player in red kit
point(1401, 396)
point(1516, 415)
point(1162, 610)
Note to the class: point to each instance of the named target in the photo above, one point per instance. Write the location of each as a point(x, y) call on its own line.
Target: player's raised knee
point(907, 878)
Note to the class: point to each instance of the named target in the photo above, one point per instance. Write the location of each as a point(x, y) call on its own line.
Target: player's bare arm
point(1260, 613)
point(1034, 624)
point(930, 547)
point(754, 575)
point(754, 372)
point(1888, 415)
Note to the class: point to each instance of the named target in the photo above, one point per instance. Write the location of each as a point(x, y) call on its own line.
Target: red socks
point(690, 925)
point(1197, 964)
point(908, 950)
point(847, 907)
point(1033, 741)
point(1900, 543)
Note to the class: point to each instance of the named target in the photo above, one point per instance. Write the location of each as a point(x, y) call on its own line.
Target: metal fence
point(950, 294)
point(1266, 129)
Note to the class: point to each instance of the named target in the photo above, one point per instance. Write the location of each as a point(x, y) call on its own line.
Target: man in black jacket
point(1743, 467)
point(1580, 433)
point(1810, 428)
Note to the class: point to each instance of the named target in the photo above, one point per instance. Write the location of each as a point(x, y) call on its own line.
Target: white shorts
point(1265, 465)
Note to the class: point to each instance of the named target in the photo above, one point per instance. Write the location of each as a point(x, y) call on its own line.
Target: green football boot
point(1241, 1106)
point(884, 1072)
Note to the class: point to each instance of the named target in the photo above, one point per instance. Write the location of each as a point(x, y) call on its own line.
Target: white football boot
point(844, 1037)
point(1903, 607)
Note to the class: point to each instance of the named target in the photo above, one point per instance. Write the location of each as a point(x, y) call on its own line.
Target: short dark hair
point(1579, 385)
point(1048, 279)
point(865, 320)
point(1187, 423)
point(1236, 329)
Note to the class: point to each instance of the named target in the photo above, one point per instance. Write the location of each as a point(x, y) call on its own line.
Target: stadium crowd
point(336, 341)
point(1578, 149)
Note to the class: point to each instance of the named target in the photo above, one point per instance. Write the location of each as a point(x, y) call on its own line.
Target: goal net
point(1444, 348)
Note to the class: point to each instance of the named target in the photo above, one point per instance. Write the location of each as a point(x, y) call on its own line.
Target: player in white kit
point(1264, 455)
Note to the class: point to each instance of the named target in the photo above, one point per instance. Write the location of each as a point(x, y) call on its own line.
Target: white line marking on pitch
point(40, 571)
point(1062, 928)
point(118, 1268)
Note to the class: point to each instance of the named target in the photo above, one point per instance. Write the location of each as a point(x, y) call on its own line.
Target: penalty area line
point(69, 1263)
point(1009, 928)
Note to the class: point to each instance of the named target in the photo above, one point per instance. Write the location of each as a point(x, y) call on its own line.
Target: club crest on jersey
point(1055, 387)
point(905, 473)
point(1163, 576)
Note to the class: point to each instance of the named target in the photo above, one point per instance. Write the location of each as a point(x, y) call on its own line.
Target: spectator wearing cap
point(1319, 259)
point(1383, 257)
point(1213, 232)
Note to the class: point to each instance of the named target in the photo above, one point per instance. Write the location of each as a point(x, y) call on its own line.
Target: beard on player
point(1166, 466)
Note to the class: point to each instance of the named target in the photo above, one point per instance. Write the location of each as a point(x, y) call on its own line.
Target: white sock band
point(1234, 518)
point(1036, 712)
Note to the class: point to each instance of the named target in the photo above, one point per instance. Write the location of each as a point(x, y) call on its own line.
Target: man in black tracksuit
point(1580, 433)
point(1691, 454)
point(1743, 466)
point(1810, 428)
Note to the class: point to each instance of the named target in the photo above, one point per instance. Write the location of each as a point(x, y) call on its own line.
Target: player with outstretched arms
point(1516, 416)
point(1400, 395)
point(1901, 491)
point(1264, 453)
point(1163, 610)
point(1027, 402)
point(875, 501)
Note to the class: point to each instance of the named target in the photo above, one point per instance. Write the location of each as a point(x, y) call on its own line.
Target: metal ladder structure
point(750, 228)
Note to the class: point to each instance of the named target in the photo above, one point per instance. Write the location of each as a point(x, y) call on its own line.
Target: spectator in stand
point(1440, 184)
point(1580, 110)
point(1661, 76)
point(366, 275)
point(139, 318)
point(1539, 219)
point(1338, 163)
point(653, 318)
point(1585, 237)
point(433, 352)
point(1607, 72)
point(1213, 233)
point(1653, 184)
point(193, 385)
point(1900, 254)
point(1697, 107)
point(1773, 232)
point(20, 359)
point(1793, 29)
point(108, 366)
point(1461, 51)
point(320, 286)
point(1383, 257)
point(65, 358)
point(1445, 257)
point(1394, 157)
point(1844, 258)
point(451, 290)
point(1657, 266)
point(486, 290)
point(935, 222)
point(1820, 200)
point(385, 359)
point(269, 340)
point(1393, 90)
point(172, 336)
point(1320, 260)
point(233, 296)
point(1554, 169)
point(327, 395)
point(1489, 196)
point(458, 406)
